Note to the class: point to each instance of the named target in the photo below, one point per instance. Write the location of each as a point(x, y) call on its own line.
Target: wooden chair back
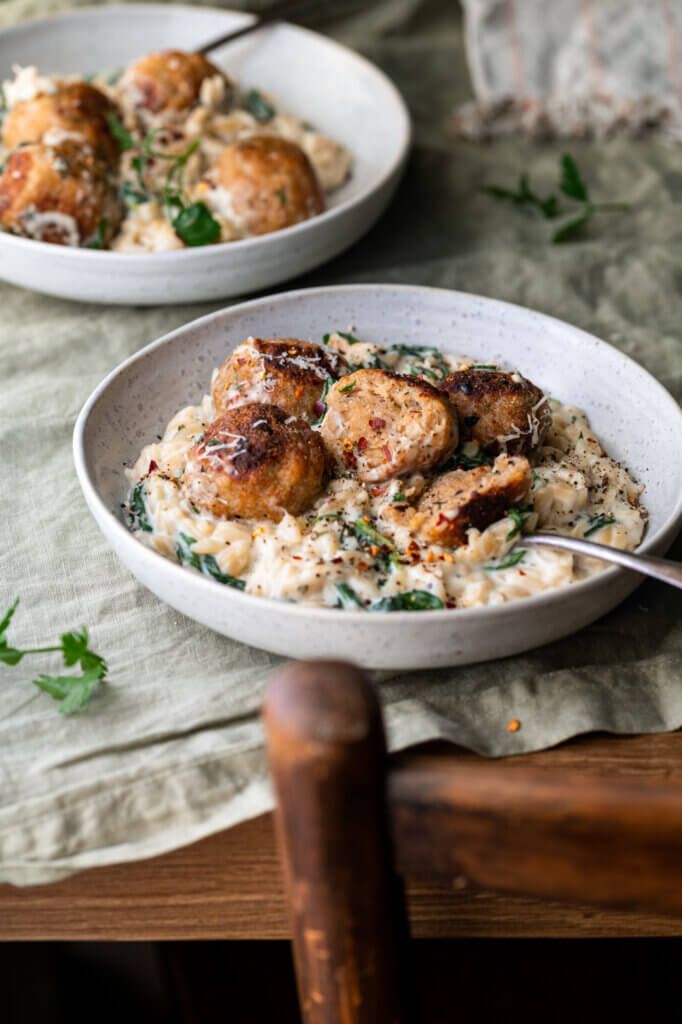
point(349, 827)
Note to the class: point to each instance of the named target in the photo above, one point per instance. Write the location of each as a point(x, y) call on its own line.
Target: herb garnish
point(193, 223)
point(598, 523)
point(205, 564)
point(408, 601)
point(510, 560)
point(347, 596)
point(398, 496)
point(320, 406)
point(386, 555)
point(461, 461)
point(420, 353)
point(120, 132)
point(348, 387)
point(138, 509)
point(518, 516)
point(100, 239)
point(571, 185)
point(258, 106)
point(131, 196)
point(196, 225)
point(73, 692)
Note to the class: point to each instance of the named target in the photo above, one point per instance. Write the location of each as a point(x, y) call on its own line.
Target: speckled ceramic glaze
point(320, 81)
point(138, 399)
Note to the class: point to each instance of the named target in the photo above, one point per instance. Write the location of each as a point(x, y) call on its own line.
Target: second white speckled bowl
point(137, 400)
point(317, 79)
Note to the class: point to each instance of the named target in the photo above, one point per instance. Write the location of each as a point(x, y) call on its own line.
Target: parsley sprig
point(72, 691)
point(572, 186)
point(192, 222)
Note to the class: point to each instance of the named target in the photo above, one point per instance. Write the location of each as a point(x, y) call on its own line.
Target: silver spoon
point(278, 12)
point(663, 569)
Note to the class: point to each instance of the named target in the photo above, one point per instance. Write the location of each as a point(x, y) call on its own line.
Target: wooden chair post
point(328, 761)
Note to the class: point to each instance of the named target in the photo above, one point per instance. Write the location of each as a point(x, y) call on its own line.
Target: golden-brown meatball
point(255, 462)
point(61, 194)
point(286, 372)
point(76, 110)
point(270, 184)
point(380, 425)
point(462, 499)
point(168, 82)
point(502, 411)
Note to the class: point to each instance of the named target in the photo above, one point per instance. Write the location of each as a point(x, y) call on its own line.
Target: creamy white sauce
point(146, 227)
point(576, 487)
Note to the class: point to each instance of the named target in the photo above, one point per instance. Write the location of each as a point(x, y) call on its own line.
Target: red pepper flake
point(363, 443)
point(522, 572)
point(378, 491)
point(513, 725)
point(387, 452)
point(350, 459)
point(152, 466)
point(442, 518)
point(376, 423)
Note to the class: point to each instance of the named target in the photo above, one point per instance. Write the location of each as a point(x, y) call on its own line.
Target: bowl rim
point(152, 559)
point(242, 246)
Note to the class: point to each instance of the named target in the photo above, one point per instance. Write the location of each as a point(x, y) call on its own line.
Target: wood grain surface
point(229, 885)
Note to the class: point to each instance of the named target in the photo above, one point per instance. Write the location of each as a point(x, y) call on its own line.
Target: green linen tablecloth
point(172, 747)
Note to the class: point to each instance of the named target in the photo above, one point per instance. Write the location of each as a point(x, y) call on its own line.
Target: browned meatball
point(502, 411)
point(286, 372)
point(168, 82)
point(77, 109)
point(256, 462)
point(462, 499)
point(381, 425)
point(60, 194)
point(270, 184)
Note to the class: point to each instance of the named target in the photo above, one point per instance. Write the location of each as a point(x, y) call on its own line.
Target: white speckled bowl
point(137, 400)
point(342, 94)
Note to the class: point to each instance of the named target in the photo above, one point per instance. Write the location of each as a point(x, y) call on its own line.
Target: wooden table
point(228, 886)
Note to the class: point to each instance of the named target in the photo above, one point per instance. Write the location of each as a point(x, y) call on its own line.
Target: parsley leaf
point(100, 239)
point(571, 182)
point(196, 225)
point(73, 691)
point(573, 226)
point(598, 523)
point(205, 564)
point(518, 516)
point(138, 509)
point(120, 132)
point(8, 655)
point(408, 601)
point(524, 196)
point(571, 185)
point(258, 106)
point(510, 560)
point(347, 596)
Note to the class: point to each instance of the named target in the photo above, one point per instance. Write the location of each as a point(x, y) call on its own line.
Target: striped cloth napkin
point(592, 68)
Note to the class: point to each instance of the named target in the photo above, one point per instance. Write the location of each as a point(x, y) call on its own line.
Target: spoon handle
point(660, 568)
point(278, 12)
